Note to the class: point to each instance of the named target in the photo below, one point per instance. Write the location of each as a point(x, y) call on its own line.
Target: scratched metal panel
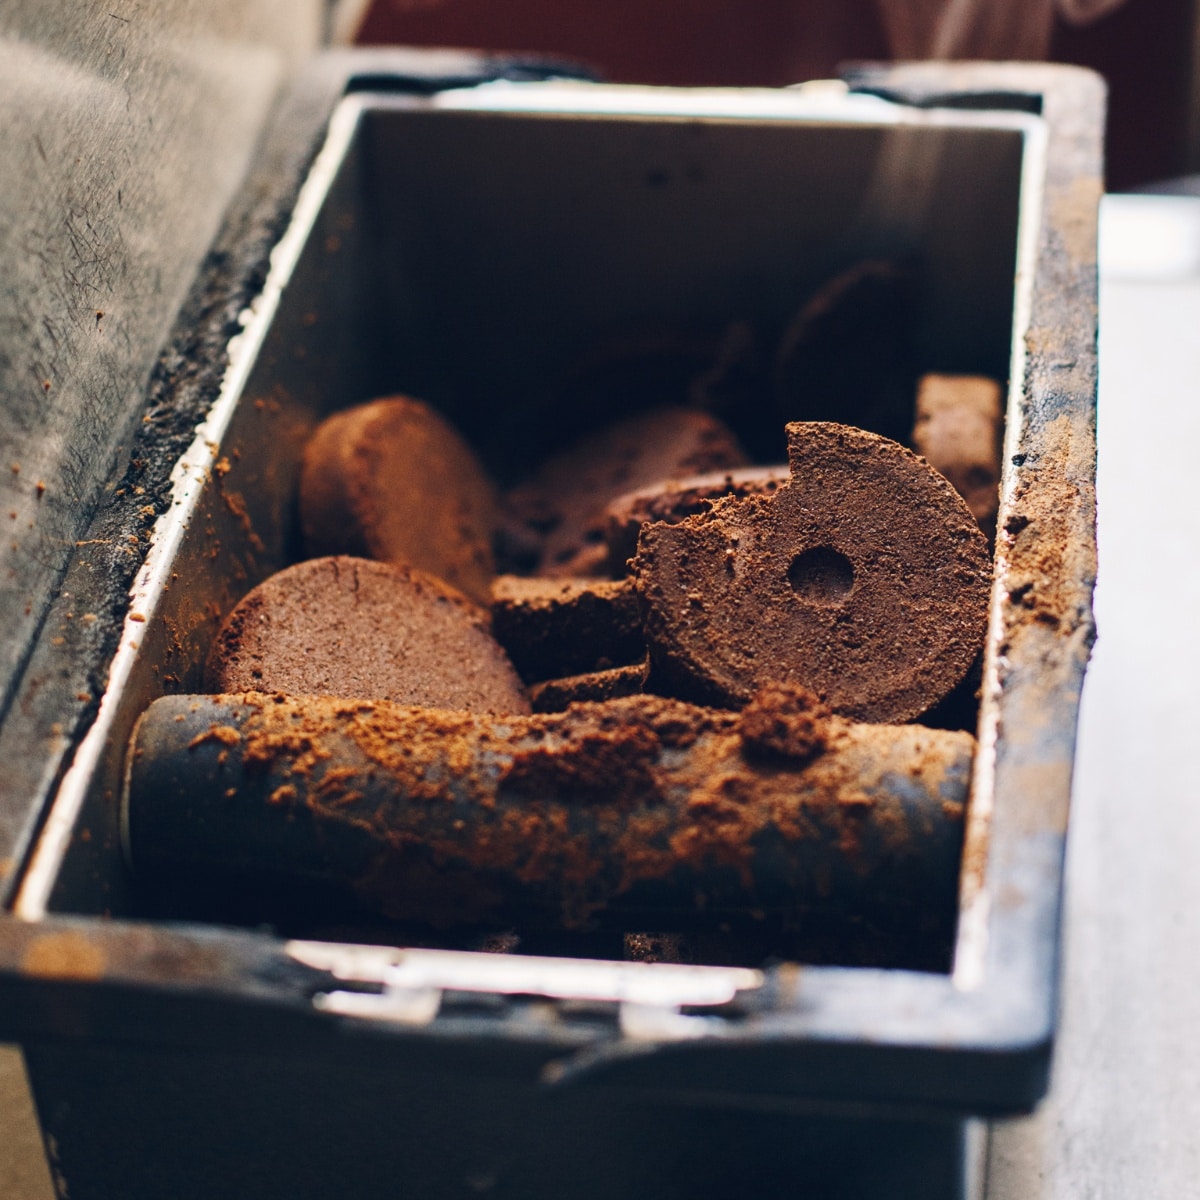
point(125, 128)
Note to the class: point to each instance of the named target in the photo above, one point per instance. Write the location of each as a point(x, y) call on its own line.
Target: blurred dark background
point(1144, 48)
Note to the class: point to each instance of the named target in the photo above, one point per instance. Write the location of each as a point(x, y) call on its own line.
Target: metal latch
point(649, 997)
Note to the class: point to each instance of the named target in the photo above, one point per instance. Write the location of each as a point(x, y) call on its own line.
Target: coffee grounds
point(958, 429)
point(556, 627)
point(671, 500)
point(556, 694)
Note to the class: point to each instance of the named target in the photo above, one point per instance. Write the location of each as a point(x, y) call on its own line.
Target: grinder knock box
point(470, 237)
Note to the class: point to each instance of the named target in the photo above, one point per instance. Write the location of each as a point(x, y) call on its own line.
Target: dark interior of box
point(487, 262)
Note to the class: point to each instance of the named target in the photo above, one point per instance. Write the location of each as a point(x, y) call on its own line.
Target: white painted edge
point(419, 971)
point(825, 100)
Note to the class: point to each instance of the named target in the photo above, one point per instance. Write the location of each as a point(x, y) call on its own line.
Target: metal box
point(463, 238)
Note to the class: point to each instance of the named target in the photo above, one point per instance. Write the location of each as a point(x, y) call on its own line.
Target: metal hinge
point(411, 985)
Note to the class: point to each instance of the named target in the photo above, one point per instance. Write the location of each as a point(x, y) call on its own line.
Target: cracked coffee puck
point(865, 578)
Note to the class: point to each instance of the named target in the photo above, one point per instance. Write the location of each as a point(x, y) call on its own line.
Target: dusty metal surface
point(1045, 545)
point(24, 1173)
point(125, 130)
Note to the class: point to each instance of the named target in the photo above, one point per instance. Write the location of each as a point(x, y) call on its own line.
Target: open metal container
point(463, 238)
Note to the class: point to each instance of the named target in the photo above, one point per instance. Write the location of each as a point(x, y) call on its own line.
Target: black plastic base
point(145, 1125)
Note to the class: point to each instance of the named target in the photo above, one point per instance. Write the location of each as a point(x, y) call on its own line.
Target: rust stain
point(1051, 567)
point(235, 502)
point(64, 956)
point(1073, 211)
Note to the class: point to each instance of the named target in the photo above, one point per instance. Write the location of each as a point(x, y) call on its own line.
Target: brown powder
point(562, 509)
point(225, 734)
point(553, 628)
point(784, 721)
point(351, 627)
point(577, 813)
point(554, 695)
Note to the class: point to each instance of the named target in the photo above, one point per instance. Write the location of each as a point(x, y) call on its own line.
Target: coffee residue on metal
point(225, 734)
point(582, 808)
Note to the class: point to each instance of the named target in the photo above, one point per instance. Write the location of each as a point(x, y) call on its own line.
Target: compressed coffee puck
point(671, 500)
point(356, 628)
point(554, 695)
point(865, 579)
point(958, 429)
point(393, 480)
point(556, 627)
point(564, 504)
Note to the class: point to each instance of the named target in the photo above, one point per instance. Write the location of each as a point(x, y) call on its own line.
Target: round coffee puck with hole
point(864, 578)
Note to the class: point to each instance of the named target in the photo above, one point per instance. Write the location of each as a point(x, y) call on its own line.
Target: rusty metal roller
point(864, 578)
point(632, 810)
